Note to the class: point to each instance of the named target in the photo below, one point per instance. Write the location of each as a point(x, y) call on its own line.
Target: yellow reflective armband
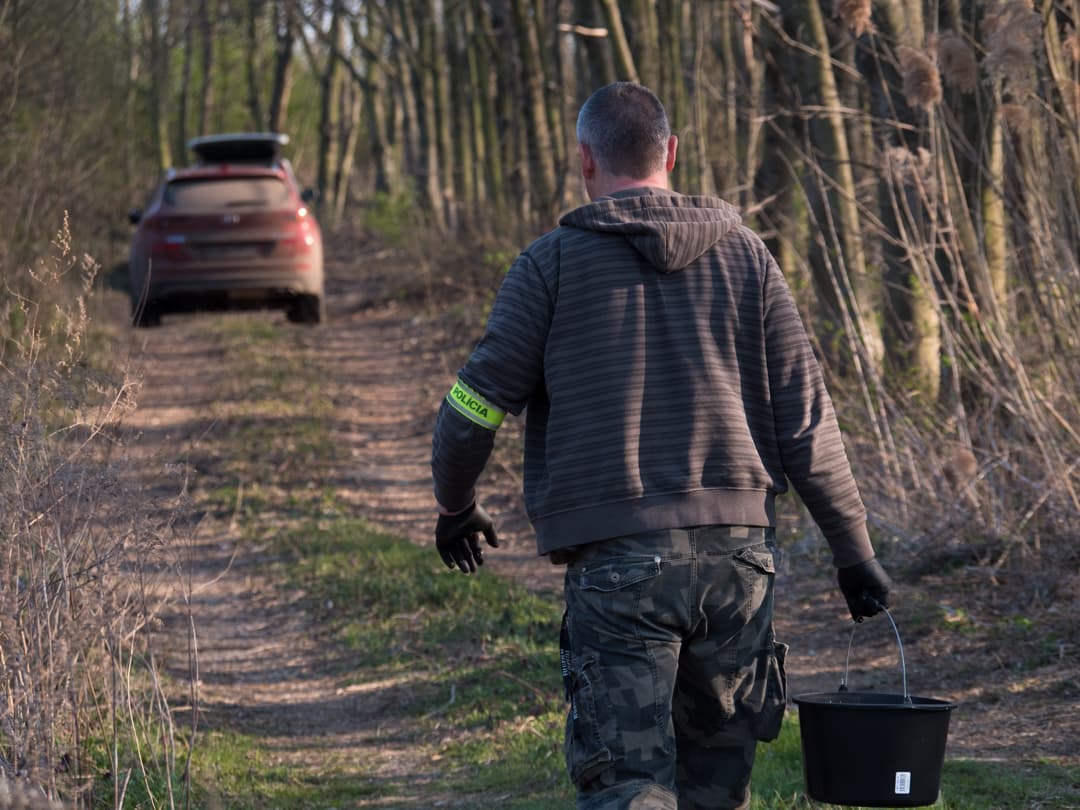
point(474, 407)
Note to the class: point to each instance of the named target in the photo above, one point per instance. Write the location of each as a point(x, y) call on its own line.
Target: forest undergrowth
point(982, 532)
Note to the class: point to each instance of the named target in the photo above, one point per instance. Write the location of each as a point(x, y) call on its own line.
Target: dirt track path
point(262, 666)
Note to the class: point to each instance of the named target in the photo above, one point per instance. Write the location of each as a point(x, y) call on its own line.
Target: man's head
point(624, 139)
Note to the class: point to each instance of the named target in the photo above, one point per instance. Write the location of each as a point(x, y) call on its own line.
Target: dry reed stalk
point(855, 15)
point(68, 520)
point(1012, 33)
point(1071, 45)
point(956, 59)
point(911, 168)
point(922, 84)
point(1017, 117)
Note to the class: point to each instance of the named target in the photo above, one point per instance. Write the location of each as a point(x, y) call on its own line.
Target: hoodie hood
point(669, 229)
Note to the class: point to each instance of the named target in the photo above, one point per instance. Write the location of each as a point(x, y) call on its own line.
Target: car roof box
point(262, 148)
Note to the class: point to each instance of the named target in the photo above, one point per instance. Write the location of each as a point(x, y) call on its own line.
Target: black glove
point(457, 537)
point(866, 588)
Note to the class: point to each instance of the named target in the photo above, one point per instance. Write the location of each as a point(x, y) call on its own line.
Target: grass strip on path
point(484, 702)
point(459, 674)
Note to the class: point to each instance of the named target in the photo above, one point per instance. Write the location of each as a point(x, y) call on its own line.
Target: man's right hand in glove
point(865, 587)
point(457, 537)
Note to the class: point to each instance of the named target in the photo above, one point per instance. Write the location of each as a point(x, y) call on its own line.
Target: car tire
point(145, 315)
point(306, 309)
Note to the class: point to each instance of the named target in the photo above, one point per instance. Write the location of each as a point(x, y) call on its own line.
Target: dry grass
point(80, 694)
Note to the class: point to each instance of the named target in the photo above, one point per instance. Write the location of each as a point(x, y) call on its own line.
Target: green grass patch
point(477, 660)
point(271, 409)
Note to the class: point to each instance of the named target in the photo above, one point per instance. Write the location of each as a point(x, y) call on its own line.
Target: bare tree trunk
point(491, 65)
point(351, 102)
point(672, 88)
point(159, 79)
point(784, 215)
point(599, 67)
point(185, 80)
point(285, 38)
point(542, 164)
point(1066, 78)
point(406, 93)
point(252, 67)
point(329, 89)
point(751, 71)
point(909, 213)
point(207, 24)
point(995, 239)
point(568, 84)
point(426, 107)
point(699, 146)
point(475, 107)
point(375, 99)
point(645, 38)
point(439, 67)
point(860, 289)
point(131, 64)
point(625, 69)
point(462, 92)
point(729, 113)
point(548, 36)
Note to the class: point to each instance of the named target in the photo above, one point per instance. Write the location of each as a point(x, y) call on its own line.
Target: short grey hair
point(626, 128)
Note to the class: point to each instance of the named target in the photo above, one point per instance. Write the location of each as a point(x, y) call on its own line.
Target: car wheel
point(145, 315)
point(305, 309)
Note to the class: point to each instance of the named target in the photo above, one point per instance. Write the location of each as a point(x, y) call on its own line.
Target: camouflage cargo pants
point(671, 667)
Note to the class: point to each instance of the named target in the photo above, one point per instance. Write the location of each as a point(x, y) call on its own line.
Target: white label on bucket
point(903, 782)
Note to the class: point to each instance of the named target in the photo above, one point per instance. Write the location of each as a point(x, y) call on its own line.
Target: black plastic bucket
point(873, 749)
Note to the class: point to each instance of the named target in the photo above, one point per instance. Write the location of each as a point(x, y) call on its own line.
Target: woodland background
point(913, 164)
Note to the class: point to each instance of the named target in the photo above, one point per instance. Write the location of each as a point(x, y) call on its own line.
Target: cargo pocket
point(591, 733)
point(768, 699)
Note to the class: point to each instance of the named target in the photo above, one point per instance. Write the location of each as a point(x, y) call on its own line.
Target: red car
point(233, 231)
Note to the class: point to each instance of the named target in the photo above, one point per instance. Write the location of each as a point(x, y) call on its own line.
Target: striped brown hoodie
point(667, 377)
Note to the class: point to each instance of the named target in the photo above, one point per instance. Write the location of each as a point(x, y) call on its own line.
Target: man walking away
point(672, 394)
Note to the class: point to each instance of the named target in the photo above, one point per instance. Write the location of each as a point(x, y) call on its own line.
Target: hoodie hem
point(588, 524)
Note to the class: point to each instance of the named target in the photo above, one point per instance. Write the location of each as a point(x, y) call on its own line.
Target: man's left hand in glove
point(457, 537)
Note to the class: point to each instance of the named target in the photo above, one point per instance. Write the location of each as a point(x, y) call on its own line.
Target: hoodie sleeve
point(500, 376)
point(807, 432)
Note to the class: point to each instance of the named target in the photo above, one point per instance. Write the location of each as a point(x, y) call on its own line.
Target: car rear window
point(226, 193)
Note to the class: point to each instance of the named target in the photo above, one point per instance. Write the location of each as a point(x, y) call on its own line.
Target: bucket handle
point(899, 643)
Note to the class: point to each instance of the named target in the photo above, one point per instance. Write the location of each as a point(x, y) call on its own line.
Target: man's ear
point(672, 148)
point(588, 162)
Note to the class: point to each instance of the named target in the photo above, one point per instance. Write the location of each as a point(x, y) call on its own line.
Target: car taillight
point(301, 230)
point(164, 245)
point(307, 227)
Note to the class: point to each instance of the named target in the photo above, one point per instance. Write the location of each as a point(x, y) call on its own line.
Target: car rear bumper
point(233, 283)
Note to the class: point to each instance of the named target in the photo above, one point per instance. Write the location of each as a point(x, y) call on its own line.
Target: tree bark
point(252, 66)
point(329, 112)
point(439, 66)
point(159, 80)
point(702, 179)
point(542, 162)
point(625, 69)
point(672, 89)
point(474, 110)
point(421, 97)
point(645, 39)
point(596, 62)
point(185, 80)
point(384, 153)
point(207, 24)
point(859, 286)
point(284, 39)
point(492, 65)
point(351, 104)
